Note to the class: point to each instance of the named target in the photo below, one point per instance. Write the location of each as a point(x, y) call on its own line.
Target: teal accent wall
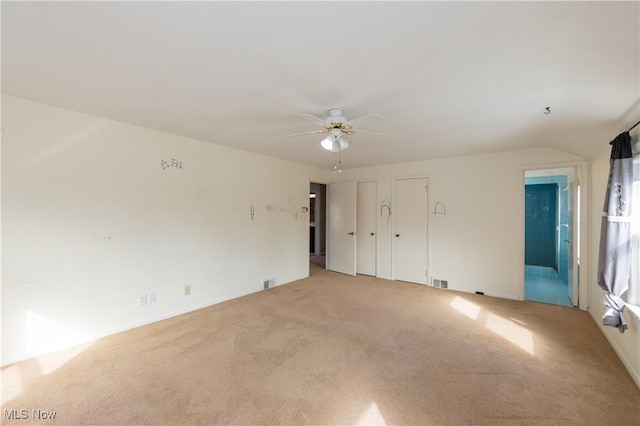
point(541, 225)
point(562, 249)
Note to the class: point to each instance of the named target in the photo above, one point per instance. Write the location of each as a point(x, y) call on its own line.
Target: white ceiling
point(450, 78)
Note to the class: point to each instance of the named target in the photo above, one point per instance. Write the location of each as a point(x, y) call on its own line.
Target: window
point(633, 295)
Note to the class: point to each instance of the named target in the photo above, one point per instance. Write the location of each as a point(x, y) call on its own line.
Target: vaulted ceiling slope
point(450, 78)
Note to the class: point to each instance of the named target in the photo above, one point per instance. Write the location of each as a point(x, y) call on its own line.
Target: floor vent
point(439, 283)
point(268, 283)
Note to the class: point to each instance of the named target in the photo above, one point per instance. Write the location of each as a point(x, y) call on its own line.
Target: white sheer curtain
point(633, 295)
point(614, 261)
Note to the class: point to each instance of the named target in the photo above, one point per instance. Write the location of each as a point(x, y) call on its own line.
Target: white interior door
point(573, 216)
point(341, 247)
point(410, 230)
point(366, 228)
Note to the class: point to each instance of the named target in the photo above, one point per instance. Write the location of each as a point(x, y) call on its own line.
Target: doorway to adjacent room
point(551, 219)
point(317, 224)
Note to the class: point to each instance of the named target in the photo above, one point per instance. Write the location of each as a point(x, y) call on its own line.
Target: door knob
point(351, 233)
point(372, 234)
point(397, 235)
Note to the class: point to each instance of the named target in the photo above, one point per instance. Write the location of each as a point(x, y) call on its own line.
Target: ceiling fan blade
point(306, 133)
point(319, 121)
point(367, 132)
point(367, 117)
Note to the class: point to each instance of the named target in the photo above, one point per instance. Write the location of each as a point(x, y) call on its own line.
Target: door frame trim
point(584, 175)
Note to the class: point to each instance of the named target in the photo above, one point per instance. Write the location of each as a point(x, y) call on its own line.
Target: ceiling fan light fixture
point(327, 143)
point(335, 144)
point(344, 143)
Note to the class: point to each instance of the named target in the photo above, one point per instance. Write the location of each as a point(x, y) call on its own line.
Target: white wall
point(626, 345)
point(478, 244)
point(91, 221)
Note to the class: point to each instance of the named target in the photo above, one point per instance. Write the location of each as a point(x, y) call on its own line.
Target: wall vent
point(268, 283)
point(439, 283)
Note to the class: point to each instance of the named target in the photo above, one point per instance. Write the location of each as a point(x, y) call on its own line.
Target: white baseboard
point(635, 375)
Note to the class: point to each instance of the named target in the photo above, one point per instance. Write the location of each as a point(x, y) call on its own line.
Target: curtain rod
point(630, 129)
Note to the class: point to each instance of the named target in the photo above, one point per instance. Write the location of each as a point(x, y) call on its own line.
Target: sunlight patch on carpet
point(465, 307)
point(505, 328)
point(519, 336)
point(11, 383)
point(45, 335)
point(371, 416)
point(517, 320)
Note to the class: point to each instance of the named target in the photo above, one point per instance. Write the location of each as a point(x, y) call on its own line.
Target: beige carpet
point(336, 350)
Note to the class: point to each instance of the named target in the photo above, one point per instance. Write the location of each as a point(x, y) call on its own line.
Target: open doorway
point(317, 225)
point(552, 217)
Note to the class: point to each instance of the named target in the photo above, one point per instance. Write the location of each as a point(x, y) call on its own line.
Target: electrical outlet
point(187, 290)
point(143, 300)
point(152, 298)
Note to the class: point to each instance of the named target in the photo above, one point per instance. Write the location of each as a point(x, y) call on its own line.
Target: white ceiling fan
point(337, 126)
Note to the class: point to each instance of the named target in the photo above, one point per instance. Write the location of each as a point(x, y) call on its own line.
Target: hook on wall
point(5, 135)
point(442, 210)
point(385, 208)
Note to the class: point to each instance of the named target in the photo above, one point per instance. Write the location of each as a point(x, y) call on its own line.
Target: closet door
point(410, 230)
